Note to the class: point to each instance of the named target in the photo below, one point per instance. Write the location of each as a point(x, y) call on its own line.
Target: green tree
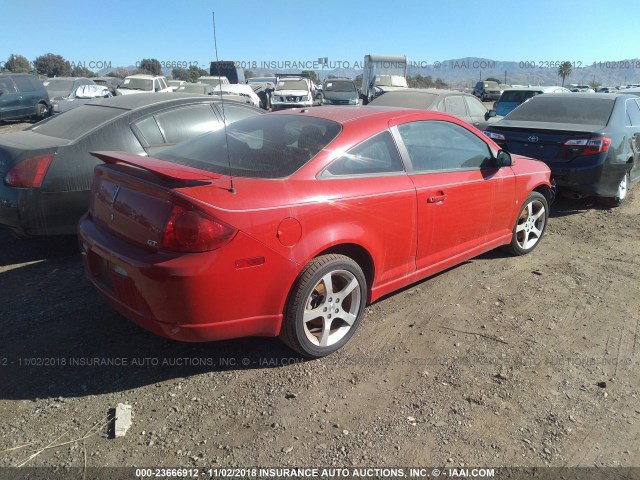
point(595, 85)
point(52, 65)
point(78, 71)
point(564, 71)
point(180, 74)
point(195, 72)
point(150, 66)
point(312, 75)
point(249, 74)
point(358, 81)
point(17, 64)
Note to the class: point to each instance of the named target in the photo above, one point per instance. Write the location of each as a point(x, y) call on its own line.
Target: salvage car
point(590, 141)
point(200, 88)
point(140, 83)
point(292, 92)
point(47, 169)
point(339, 91)
point(111, 83)
point(238, 92)
point(23, 96)
point(513, 97)
point(62, 88)
point(289, 223)
point(82, 95)
point(462, 105)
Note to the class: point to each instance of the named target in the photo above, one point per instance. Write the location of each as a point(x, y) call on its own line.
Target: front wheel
point(621, 194)
point(530, 225)
point(325, 306)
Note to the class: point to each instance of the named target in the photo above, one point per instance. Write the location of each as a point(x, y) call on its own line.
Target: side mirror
point(503, 159)
point(490, 114)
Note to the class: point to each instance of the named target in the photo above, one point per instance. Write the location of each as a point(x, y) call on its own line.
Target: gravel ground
point(501, 361)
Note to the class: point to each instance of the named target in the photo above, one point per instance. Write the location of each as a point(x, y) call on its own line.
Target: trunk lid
point(544, 141)
point(133, 196)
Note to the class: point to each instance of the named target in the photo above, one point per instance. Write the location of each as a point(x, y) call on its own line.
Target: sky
point(121, 33)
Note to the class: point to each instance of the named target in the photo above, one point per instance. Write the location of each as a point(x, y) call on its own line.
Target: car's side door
point(26, 94)
point(454, 105)
point(10, 103)
point(461, 194)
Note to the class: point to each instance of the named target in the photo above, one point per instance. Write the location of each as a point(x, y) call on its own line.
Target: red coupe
point(289, 224)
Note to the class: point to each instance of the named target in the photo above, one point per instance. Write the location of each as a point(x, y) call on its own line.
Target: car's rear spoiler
point(166, 170)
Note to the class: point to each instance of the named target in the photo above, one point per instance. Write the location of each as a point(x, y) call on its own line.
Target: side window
point(35, 83)
point(149, 130)
point(23, 83)
point(233, 113)
point(455, 105)
point(184, 123)
point(7, 86)
point(634, 112)
point(375, 155)
point(439, 146)
point(476, 109)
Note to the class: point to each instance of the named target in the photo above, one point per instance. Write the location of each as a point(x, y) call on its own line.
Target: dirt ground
point(501, 361)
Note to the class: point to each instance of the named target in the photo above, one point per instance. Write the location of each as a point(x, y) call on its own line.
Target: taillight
point(29, 172)
point(193, 231)
point(589, 146)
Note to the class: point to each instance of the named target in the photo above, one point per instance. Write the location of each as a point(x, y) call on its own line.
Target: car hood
point(295, 93)
point(127, 91)
point(340, 95)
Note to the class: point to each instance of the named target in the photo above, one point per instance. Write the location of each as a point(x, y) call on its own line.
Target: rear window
point(76, 122)
point(517, 96)
point(571, 109)
point(405, 100)
point(267, 146)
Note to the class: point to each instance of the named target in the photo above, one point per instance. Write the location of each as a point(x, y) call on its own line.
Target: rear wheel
point(42, 112)
point(530, 225)
point(325, 306)
point(621, 194)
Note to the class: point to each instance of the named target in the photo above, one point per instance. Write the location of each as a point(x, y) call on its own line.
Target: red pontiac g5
point(289, 224)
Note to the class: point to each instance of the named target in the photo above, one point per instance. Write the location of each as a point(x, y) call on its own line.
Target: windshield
point(76, 122)
point(339, 86)
point(269, 146)
point(569, 109)
point(58, 85)
point(292, 85)
point(145, 84)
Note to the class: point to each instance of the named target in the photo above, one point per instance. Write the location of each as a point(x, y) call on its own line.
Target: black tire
point(530, 224)
point(623, 190)
point(342, 308)
point(42, 112)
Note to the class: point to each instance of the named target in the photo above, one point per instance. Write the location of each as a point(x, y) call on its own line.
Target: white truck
point(382, 73)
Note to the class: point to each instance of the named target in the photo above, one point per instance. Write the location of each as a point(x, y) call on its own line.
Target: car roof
point(344, 114)
point(131, 102)
point(612, 96)
point(441, 92)
point(143, 75)
point(68, 78)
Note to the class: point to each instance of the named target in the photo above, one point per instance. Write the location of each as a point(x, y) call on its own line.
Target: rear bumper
point(189, 297)
point(599, 180)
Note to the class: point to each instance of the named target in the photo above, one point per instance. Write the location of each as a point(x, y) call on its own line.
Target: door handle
point(439, 198)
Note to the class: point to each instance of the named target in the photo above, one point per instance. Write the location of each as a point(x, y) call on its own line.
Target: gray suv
point(487, 90)
point(22, 96)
